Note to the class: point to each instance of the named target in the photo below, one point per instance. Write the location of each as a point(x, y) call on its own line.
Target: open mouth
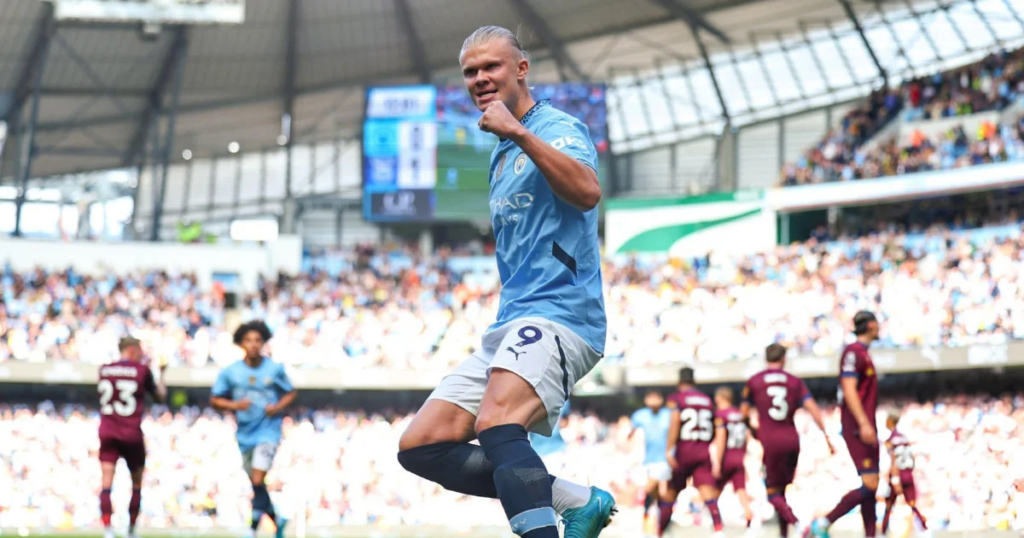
point(486, 95)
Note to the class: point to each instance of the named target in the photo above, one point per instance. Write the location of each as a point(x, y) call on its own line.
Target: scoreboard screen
point(425, 159)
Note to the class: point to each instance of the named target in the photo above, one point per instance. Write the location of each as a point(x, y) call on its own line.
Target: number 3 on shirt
point(780, 407)
point(125, 404)
point(697, 425)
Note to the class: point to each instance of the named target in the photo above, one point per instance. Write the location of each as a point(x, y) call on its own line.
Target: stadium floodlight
point(187, 155)
point(233, 147)
point(152, 11)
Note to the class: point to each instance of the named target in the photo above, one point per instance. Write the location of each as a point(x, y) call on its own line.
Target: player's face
point(890, 423)
point(133, 353)
point(252, 344)
point(492, 72)
point(654, 401)
point(873, 330)
point(722, 403)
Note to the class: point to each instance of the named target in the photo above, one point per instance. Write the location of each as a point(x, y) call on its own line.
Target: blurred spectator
point(358, 309)
point(990, 84)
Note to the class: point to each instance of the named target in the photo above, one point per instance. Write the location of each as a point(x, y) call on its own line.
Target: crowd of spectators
point(339, 468)
point(991, 84)
point(936, 287)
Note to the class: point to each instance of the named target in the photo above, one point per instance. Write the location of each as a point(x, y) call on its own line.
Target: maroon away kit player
point(690, 432)
point(731, 446)
point(901, 473)
point(858, 402)
point(776, 395)
point(122, 388)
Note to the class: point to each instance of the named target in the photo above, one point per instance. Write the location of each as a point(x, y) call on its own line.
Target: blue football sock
point(261, 505)
point(459, 467)
point(522, 482)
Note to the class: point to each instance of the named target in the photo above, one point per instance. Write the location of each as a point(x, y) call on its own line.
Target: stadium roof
point(103, 87)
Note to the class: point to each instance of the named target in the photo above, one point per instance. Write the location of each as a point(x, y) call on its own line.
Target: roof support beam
point(175, 56)
point(79, 152)
point(692, 19)
point(165, 157)
point(412, 40)
point(551, 41)
point(28, 138)
point(290, 74)
point(711, 72)
point(45, 33)
point(864, 39)
point(92, 92)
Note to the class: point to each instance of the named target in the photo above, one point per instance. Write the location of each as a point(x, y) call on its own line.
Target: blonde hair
point(486, 34)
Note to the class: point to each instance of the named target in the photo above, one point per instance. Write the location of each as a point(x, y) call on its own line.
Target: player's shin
point(849, 502)
point(464, 468)
point(665, 509)
point(716, 514)
point(522, 481)
point(106, 507)
point(261, 505)
point(133, 507)
point(870, 516)
point(885, 516)
point(786, 515)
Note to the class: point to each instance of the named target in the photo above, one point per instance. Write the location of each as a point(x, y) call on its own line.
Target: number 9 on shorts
point(259, 458)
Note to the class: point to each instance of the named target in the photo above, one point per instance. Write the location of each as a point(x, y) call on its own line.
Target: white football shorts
point(259, 458)
point(549, 356)
point(659, 471)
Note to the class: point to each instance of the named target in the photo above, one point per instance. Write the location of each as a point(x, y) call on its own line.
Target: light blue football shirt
point(548, 256)
point(655, 428)
point(263, 386)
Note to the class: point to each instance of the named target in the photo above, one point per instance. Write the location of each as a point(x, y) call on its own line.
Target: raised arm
point(572, 181)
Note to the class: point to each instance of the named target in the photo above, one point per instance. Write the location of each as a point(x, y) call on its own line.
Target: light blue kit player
point(653, 420)
point(258, 390)
point(551, 322)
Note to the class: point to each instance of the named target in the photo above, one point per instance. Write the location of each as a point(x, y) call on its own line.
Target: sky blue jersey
point(263, 386)
point(655, 428)
point(547, 250)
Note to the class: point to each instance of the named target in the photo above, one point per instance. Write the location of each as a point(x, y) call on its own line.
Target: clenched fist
point(499, 121)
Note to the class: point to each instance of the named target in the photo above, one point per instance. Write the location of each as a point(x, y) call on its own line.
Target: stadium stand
point(991, 84)
point(935, 287)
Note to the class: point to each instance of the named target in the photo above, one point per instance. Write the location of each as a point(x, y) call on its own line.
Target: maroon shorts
point(697, 466)
point(865, 457)
point(907, 482)
point(133, 452)
point(733, 472)
point(780, 465)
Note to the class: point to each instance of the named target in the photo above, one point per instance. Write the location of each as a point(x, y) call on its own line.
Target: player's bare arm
point(572, 181)
point(853, 403)
point(227, 404)
point(719, 450)
point(812, 407)
point(160, 393)
point(282, 404)
point(673, 435)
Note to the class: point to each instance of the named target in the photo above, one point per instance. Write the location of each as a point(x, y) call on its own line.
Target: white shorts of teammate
point(547, 355)
point(259, 458)
point(659, 471)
